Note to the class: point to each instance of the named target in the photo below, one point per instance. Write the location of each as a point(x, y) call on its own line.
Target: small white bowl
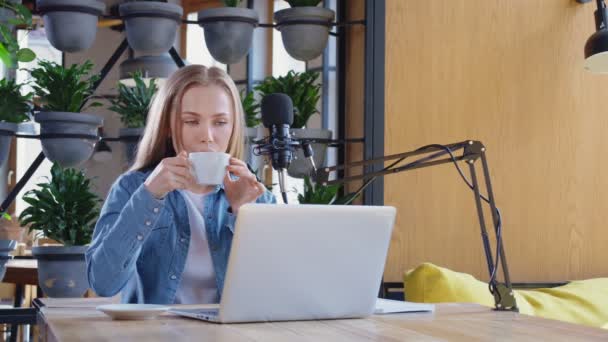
point(132, 311)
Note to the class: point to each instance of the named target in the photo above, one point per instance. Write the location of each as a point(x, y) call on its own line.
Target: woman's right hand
point(170, 174)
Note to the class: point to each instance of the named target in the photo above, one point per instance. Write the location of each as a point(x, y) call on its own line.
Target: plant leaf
point(25, 55)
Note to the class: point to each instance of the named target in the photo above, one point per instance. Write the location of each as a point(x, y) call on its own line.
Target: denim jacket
point(140, 243)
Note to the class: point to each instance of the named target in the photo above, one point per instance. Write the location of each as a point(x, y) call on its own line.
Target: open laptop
point(303, 262)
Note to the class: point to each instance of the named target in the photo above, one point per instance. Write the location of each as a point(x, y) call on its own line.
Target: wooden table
point(77, 320)
point(21, 271)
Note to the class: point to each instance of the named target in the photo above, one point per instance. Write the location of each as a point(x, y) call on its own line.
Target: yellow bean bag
point(582, 302)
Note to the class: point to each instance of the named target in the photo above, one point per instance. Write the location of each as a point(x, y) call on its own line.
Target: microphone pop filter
point(277, 109)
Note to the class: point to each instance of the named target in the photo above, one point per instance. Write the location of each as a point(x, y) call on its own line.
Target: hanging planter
point(67, 151)
point(6, 246)
point(151, 67)
point(132, 105)
point(253, 131)
point(300, 167)
point(151, 26)
point(304, 92)
point(64, 209)
point(14, 109)
point(70, 25)
point(228, 32)
point(130, 138)
point(7, 14)
point(7, 131)
point(63, 94)
point(304, 30)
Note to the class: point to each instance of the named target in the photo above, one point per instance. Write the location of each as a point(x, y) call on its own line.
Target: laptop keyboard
point(201, 312)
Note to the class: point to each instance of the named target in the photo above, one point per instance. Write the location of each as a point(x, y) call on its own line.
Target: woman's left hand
point(244, 190)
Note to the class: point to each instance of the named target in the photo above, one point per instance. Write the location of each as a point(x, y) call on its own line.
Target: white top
point(198, 284)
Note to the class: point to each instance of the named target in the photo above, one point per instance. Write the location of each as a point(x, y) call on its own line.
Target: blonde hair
point(159, 141)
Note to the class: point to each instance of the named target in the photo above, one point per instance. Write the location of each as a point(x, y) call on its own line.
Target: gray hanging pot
point(7, 131)
point(70, 25)
point(62, 271)
point(228, 32)
point(151, 26)
point(159, 67)
point(304, 30)
point(131, 136)
point(300, 166)
point(6, 14)
point(256, 162)
point(6, 246)
point(68, 151)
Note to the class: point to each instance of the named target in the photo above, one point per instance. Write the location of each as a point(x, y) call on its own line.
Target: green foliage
point(302, 3)
point(251, 109)
point(10, 53)
point(320, 194)
point(301, 88)
point(231, 3)
point(64, 89)
point(63, 209)
point(5, 216)
point(317, 194)
point(133, 103)
point(14, 107)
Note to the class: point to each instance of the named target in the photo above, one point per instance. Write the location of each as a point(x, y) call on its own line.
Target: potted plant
point(151, 26)
point(70, 25)
point(14, 109)
point(304, 93)
point(62, 93)
point(320, 194)
point(63, 209)
point(228, 30)
point(132, 105)
point(304, 28)
point(13, 13)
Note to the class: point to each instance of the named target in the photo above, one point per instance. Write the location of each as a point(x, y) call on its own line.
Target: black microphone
point(277, 116)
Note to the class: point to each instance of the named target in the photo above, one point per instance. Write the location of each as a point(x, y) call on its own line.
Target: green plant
point(302, 3)
point(63, 209)
point(64, 89)
point(5, 216)
point(251, 109)
point(320, 194)
point(133, 103)
point(10, 53)
point(14, 107)
point(301, 88)
point(231, 3)
point(317, 194)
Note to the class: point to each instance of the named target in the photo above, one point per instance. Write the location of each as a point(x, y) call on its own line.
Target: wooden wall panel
point(508, 73)
point(355, 80)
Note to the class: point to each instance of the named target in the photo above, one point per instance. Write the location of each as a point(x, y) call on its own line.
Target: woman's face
point(206, 119)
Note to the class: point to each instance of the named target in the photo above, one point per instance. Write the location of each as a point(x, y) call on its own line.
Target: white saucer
point(132, 311)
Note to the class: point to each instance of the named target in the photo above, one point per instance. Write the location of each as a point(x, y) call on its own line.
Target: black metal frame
point(374, 94)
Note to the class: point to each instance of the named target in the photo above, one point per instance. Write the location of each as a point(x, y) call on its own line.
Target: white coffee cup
point(209, 167)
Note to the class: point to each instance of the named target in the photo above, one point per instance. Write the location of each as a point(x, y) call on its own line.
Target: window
point(28, 149)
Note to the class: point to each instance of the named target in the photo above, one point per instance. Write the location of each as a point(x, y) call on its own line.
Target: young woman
point(161, 237)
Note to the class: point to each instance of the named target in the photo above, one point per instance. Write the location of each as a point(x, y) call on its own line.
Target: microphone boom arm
point(504, 299)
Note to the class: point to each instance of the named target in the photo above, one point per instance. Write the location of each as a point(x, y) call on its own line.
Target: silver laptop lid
point(300, 262)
